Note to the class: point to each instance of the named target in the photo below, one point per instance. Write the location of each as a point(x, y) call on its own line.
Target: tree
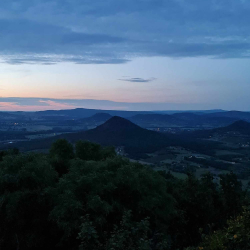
point(127, 234)
point(106, 202)
point(105, 190)
point(24, 202)
point(236, 236)
point(87, 151)
point(233, 195)
point(61, 152)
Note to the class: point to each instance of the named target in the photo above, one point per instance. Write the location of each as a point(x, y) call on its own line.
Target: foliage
point(89, 198)
point(127, 235)
point(236, 236)
point(89, 151)
point(106, 189)
point(61, 152)
point(24, 205)
point(14, 151)
point(203, 205)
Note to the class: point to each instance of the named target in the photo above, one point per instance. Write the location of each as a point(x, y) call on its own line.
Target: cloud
point(30, 42)
point(33, 104)
point(46, 59)
point(116, 31)
point(37, 104)
point(57, 105)
point(137, 79)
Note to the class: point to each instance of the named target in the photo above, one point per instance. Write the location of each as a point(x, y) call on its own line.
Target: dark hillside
point(181, 119)
point(240, 127)
point(239, 115)
point(96, 118)
point(84, 113)
point(118, 131)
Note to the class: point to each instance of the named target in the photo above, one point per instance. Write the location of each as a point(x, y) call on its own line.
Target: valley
point(179, 142)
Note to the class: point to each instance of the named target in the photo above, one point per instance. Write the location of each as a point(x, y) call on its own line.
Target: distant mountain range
point(169, 112)
point(96, 118)
point(9, 116)
point(80, 113)
point(182, 120)
point(231, 114)
point(239, 127)
point(150, 119)
point(205, 119)
point(130, 133)
point(119, 131)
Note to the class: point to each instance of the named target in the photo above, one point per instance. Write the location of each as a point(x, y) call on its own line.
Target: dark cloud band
point(137, 79)
point(116, 31)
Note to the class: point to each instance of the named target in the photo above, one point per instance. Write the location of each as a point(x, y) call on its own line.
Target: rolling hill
point(239, 127)
point(80, 113)
point(10, 116)
point(96, 118)
point(239, 115)
point(118, 131)
point(181, 120)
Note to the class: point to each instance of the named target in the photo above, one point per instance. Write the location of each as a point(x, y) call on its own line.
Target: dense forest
point(86, 197)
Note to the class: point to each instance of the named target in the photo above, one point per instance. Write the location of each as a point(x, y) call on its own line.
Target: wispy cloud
point(37, 104)
point(137, 79)
point(28, 105)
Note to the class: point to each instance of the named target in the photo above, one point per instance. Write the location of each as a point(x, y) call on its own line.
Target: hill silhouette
point(119, 131)
point(181, 119)
point(241, 127)
point(118, 124)
point(239, 115)
point(80, 113)
point(96, 118)
point(116, 131)
point(11, 116)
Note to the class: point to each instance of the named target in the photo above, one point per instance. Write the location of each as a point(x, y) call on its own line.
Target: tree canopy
point(86, 197)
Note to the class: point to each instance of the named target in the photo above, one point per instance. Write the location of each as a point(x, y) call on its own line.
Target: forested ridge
point(86, 197)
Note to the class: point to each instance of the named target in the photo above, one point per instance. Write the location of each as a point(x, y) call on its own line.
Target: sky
point(124, 54)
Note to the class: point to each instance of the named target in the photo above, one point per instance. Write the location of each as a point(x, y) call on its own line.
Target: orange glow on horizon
point(12, 106)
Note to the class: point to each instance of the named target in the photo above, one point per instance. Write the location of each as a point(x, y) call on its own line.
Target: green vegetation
point(211, 163)
point(235, 237)
point(85, 197)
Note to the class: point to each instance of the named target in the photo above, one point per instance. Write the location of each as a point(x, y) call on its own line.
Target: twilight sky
point(124, 54)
